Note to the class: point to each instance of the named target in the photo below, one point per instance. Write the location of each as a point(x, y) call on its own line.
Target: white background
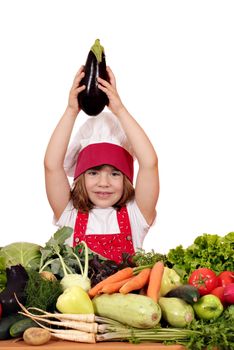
point(174, 66)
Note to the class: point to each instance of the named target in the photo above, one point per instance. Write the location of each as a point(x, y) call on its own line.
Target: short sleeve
point(68, 218)
point(139, 226)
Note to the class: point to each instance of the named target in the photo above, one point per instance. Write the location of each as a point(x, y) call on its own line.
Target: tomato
point(204, 279)
point(225, 278)
point(219, 292)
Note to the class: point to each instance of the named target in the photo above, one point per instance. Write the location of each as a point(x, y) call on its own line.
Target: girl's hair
point(80, 199)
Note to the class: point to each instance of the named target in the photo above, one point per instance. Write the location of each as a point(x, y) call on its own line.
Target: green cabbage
point(24, 253)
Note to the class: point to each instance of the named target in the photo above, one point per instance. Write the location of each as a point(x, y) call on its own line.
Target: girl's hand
point(73, 103)
point(115, 103)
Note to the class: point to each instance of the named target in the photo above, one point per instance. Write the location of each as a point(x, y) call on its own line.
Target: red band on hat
point(105, 153)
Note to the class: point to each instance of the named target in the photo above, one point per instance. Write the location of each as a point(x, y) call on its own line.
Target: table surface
point(66, 345)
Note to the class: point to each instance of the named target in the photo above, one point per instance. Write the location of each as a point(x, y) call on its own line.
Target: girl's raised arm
point(57, 184)
point(147, 181)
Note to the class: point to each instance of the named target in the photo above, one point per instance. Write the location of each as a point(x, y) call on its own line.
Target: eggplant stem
point(97, 49)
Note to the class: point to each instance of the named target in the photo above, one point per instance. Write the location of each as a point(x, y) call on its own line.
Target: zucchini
point(187, 292)
point(131, 309)
point(18, 328)
point(176, 311)
point(6, 323)
point(92, 100)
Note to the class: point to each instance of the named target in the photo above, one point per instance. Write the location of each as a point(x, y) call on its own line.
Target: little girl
point(102, 206)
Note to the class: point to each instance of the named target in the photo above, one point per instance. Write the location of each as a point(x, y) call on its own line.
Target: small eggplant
point(92, 100)
point(17, 278)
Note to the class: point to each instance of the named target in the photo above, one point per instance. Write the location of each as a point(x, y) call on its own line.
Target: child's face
point(104, 185)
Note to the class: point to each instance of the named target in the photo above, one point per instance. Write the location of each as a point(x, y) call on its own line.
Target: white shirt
point(104, 221)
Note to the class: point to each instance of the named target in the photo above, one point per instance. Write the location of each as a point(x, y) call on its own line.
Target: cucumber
point(131, 309)
point(18, 328)
point(186, 292)
point(6, 323)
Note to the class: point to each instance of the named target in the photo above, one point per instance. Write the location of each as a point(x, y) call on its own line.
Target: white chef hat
point(100, 140)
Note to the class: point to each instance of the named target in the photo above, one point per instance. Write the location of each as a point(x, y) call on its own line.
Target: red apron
point(110, 246)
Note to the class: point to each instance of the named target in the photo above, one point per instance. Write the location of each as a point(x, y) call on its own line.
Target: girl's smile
point(104, 185)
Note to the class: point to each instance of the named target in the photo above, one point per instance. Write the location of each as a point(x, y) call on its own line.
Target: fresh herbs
point(218, 333)
point(41, 293)
point(211, 251)
point(141, 258)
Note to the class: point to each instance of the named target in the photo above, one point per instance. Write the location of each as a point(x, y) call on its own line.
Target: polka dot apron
point(110, 246)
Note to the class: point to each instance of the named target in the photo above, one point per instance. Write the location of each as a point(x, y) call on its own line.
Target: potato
point(36, 336)
point(48, 276)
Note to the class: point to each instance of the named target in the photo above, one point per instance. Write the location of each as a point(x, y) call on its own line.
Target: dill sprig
point(41, 293)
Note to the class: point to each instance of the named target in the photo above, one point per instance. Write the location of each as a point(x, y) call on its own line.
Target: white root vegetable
point(70, 334)
point(78, 325)
point(80, 336)
point(70, 278)
point(74, 279)
point(89, 318)
point(87, 338)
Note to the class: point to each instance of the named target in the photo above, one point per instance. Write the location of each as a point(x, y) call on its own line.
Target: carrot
point(116, 277)
point(155, 280)
point(137, 282)
point(115, 286)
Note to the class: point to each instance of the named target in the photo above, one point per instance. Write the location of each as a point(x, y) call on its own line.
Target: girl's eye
point(116, 173)
point(92, 172)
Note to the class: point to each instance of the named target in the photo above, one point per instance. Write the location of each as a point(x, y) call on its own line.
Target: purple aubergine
point(92, 100)
point(17, 278)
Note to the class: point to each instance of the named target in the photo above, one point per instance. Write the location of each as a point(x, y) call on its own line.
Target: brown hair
point(80, 199)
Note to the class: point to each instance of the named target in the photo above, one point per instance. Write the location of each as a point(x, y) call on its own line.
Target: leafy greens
point(24, 253)
point(211, 251)
point(214, 334)
point(56, 245)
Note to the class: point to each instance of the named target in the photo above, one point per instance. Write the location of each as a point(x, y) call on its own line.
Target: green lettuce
point(208, 250)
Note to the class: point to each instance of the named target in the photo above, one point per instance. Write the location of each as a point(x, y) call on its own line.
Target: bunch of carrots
point(129, 279)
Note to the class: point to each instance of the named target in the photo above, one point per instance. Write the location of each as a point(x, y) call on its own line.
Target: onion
point(229, 293)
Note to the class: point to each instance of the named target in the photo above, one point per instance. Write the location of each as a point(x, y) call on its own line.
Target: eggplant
point(17, 278)
point(92, 100)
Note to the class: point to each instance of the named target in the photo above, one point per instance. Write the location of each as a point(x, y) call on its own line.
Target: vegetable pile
point(56, 291)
